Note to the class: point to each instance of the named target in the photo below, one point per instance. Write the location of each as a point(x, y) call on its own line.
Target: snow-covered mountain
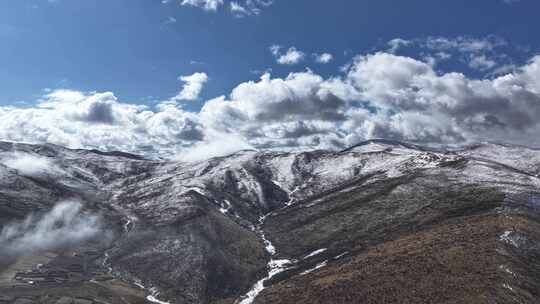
point(380, 222)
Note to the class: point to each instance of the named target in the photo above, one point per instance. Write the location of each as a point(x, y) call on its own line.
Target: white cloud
point(464, 44)
point(323, 58)
point(443, 48)
point(30, 165)
point(504, 69)
point(380, 76)
point(275, 50)
point(238, 9)
point(379, 95)
point(397, 43)
point(193, 85)
point(85, 120)
point(481, 62)
point(409, 92)
point(208, 5)
point(65, 224)
point(290, 57)
point(217, 144)
point(443, 55)
point(407, 99)
point(249, 7)
point(300, 95)
point(483, 54)
point(267, 112)
point(263, 3)
point(170, 20)
point(96, 108)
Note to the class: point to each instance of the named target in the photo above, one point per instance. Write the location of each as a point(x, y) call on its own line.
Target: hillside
point(380, 222)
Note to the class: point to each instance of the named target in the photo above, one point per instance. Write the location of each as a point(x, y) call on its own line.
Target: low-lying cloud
point(219, 144)
point(30, 165)
point(66, 224)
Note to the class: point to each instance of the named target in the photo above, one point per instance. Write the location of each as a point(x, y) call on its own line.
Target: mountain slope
point(380, 222)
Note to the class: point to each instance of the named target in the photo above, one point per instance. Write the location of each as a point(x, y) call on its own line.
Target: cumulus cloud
point(208, 5)
point(300, 95)
point(66, 224)
point(275, 50)
point(78, 120)
point(464, 43)
point(170, 20)
point(267, 111)
point(249, 7)
point(380, 94)
point(448, 107)
point(193, 85)
point(289, 57)
point(397, 43)
point(485, 54)
point(481, 62)
point(96, 108)
point(238, 8)
point(323, 58)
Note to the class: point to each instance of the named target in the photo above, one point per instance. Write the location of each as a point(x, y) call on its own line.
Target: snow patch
point(194, 189)
point(291, 197)
point(510, 237)
point(318, 266)
point(139, 284)
point(275, 267)
point(153, 299)
point(508, 287)
point(316, 252)
point(154, 293)
point(268, 245)
point(129, 223)
point(337, 257)
point(507, 270)
point(106, 264)
point(225, 207)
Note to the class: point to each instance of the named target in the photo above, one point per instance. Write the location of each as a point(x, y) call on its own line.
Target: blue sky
point(130, 47)
point(137, 50)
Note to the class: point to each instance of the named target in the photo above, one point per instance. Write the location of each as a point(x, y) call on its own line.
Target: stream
point(274, 266)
